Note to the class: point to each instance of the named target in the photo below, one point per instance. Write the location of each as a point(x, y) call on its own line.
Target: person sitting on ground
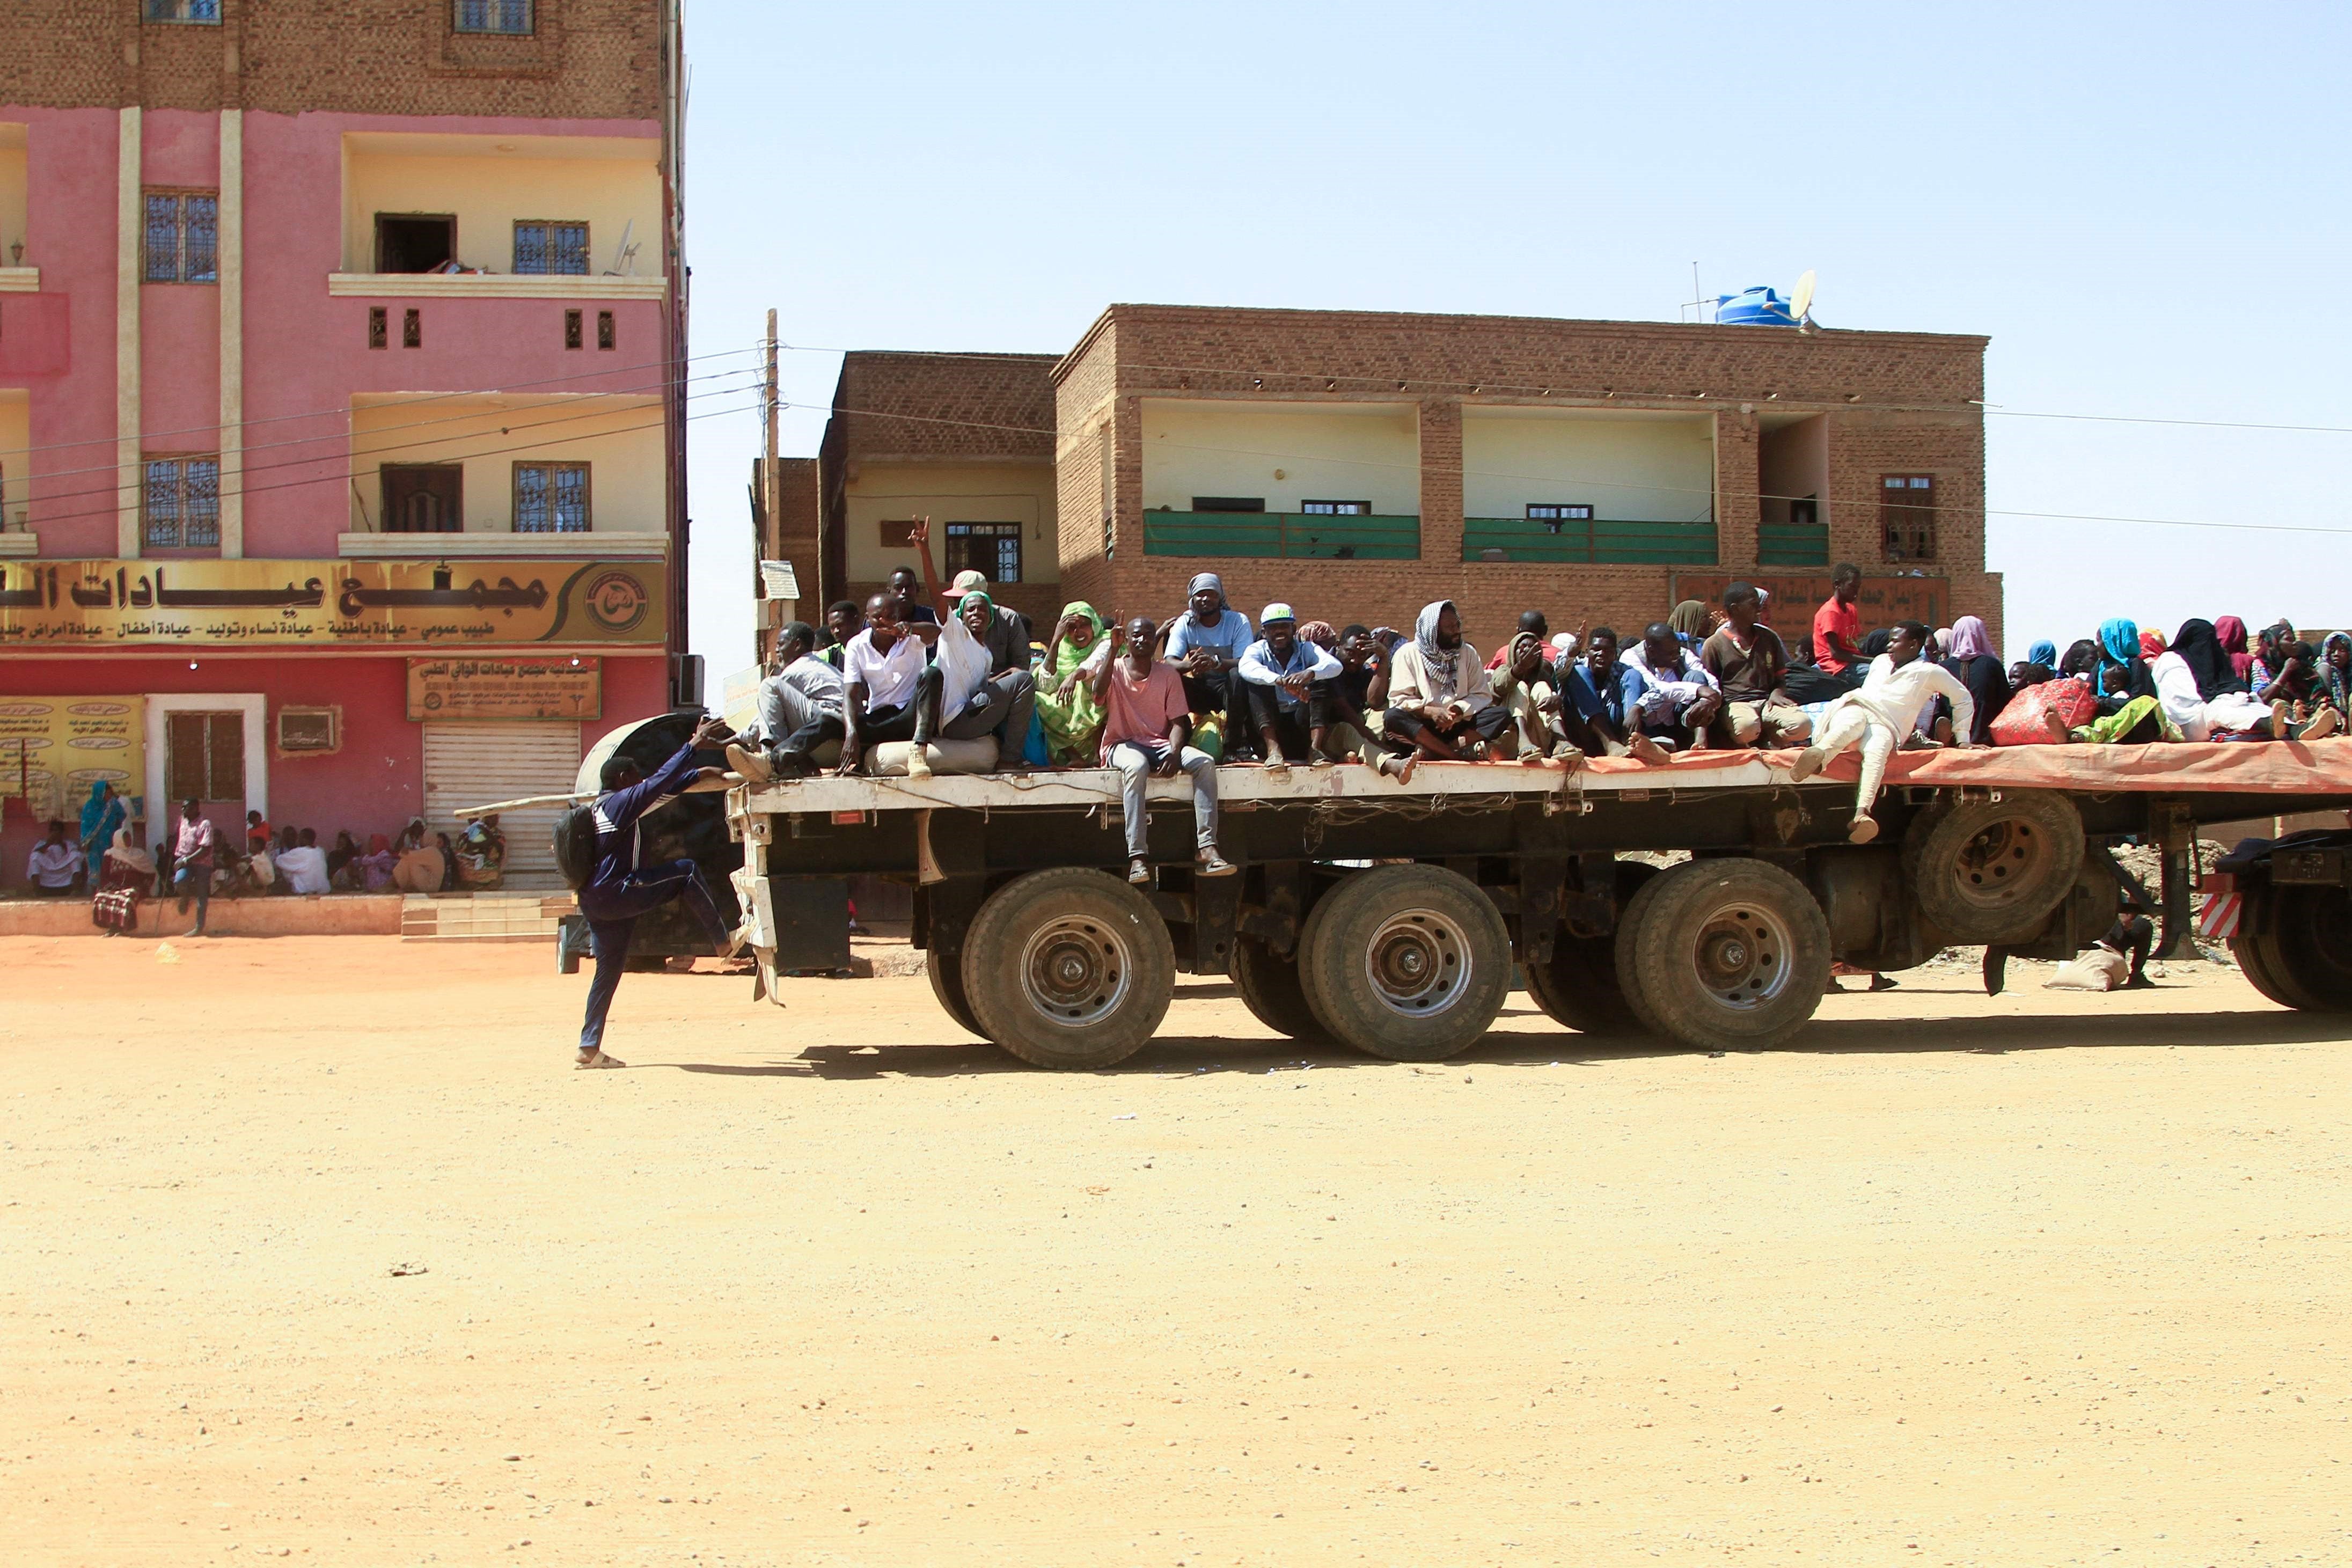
point(1205, 644)
point(1750, 664)
point(303, 868)
point(55, 865)
point(1669, 695)
point(258, 834)
point(191, 861)
point(843, 621)
point(1973, 661)
point(422, 869)
point(619, 890)
point(1147, 725)
point(376, 866)
point(127, 873)
point(479, 859)
point(800, 710)
point(1440, 700)
point(1837, 627)
point(2199, 696)
point(1878, 714)
point(1067, 708)
point(346, 851)
point(1289, 681)
point(1529, 621)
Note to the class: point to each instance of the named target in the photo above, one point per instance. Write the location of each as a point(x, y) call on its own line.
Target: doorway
point(423, 497)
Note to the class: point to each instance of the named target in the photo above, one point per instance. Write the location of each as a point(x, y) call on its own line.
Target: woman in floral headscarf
point(1067, 708)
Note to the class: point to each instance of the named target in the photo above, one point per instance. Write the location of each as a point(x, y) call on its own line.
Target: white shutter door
point(475, 763)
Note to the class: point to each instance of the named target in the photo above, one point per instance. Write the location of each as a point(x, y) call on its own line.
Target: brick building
point(1602, 470)
point(341, 400)
point(966, 440)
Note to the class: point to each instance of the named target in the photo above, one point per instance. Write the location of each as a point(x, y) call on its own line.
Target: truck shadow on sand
point(1191, 1056)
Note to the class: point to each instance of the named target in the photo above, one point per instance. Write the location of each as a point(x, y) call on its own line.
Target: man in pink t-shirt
point(1145, 724)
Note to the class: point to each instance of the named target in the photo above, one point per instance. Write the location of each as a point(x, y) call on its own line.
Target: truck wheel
point(1631, 915)
point(1578, 988)
point(1271, 990)
point(1725, 953)
point(1068, 968)
point(947, 984)
point(1408, 963)
point(1990, 870)
point(2301, 949)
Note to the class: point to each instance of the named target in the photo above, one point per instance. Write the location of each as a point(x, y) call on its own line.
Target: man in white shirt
point(894, 695)
point(54, 861)
point(800, 710)
point(1289, 685)
point(304, 867)
point(1880, 713)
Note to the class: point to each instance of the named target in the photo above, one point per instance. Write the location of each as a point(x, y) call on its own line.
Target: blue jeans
point(612, 912)
point(197, 880)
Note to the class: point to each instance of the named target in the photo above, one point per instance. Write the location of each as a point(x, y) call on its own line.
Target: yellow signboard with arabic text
point(50, 604)
point(52, 749)
point(494, 688)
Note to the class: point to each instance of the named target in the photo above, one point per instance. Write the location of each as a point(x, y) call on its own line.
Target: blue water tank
point(1757, 307)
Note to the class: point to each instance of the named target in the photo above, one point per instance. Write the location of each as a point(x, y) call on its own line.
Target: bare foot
point(2058, 734)
point(1648, 751)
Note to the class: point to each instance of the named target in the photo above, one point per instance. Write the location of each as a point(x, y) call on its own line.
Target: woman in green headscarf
point(1067, 708)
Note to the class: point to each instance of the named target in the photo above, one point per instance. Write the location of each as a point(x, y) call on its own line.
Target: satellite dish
point(1800, 303)
point(625, 254)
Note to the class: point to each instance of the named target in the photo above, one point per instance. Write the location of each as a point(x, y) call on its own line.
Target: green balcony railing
point(1594, 541)
point(1281, 536)
point(1792, 544)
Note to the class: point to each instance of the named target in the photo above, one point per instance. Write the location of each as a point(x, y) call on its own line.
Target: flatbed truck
point(1394, 918)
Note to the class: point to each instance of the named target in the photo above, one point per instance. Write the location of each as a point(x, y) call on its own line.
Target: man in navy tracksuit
point(620, 889)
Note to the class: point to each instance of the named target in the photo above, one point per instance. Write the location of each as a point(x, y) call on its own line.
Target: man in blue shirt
point(620, 890)
point(1289, 681)
point(1205, 646)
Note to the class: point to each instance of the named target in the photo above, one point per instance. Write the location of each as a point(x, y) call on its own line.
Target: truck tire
point(1578, 987)
point(1407, 963)
point(2301, 949)
point(947, 984)
point(1727, 954)
point(1068, 968)
point(1991, 870)
point(1271, 990)
point(1623, 945)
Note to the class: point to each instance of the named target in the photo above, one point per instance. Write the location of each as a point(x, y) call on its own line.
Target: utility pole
point(771, 486)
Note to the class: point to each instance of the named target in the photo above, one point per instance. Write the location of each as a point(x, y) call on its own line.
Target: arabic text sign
point(105, 604)
point(497, 688)
point(52, 749)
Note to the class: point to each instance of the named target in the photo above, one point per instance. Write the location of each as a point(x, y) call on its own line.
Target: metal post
point(2174, 837)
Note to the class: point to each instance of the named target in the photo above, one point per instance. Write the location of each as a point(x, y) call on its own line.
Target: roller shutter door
point(475, 763)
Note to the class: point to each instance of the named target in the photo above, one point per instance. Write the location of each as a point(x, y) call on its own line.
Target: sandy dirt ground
point(318, 1248)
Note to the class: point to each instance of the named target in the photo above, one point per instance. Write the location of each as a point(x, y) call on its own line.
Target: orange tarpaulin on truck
point(2237, 767)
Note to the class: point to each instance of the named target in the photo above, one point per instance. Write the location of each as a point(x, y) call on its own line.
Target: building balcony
point(1590, 541)
point(1281, 536)
point(487, 285)
point(597, 544)
point(1792, 544)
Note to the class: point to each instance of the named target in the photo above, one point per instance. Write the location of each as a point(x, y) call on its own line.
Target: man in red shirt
point(1145, 724)
point(1837, 624)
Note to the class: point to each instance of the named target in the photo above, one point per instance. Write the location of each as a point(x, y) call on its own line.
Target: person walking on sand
point(619, 889)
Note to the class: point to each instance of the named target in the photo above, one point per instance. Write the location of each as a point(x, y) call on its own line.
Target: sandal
point(598, 1060)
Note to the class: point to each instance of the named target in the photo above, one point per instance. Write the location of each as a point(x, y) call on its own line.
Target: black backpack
point(575, 844)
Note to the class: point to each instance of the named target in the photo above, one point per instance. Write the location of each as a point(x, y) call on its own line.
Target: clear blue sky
point(2142, 207)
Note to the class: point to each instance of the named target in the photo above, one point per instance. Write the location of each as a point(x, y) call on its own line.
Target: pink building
point(342, 399)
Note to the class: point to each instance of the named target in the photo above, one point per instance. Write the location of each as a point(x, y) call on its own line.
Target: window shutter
point(185, 756)
point(227, 749)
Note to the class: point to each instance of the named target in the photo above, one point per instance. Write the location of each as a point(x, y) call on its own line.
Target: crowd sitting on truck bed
point(1286, 692)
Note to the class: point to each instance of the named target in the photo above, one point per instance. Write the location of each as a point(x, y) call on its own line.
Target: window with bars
point(1907, 516)
point(509, 17)
point(991, 548)
point(1552, 514)
point(183, 11)
point(548, 246)
point(1335, 508)
point(182, 233)
point(181, 506)
point(551, 497)
point(205, 756)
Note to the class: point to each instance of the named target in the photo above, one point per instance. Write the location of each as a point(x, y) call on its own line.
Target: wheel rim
point(1417, 963)
point(1741, 956)
point(2004, 860)
point(1076, 970)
